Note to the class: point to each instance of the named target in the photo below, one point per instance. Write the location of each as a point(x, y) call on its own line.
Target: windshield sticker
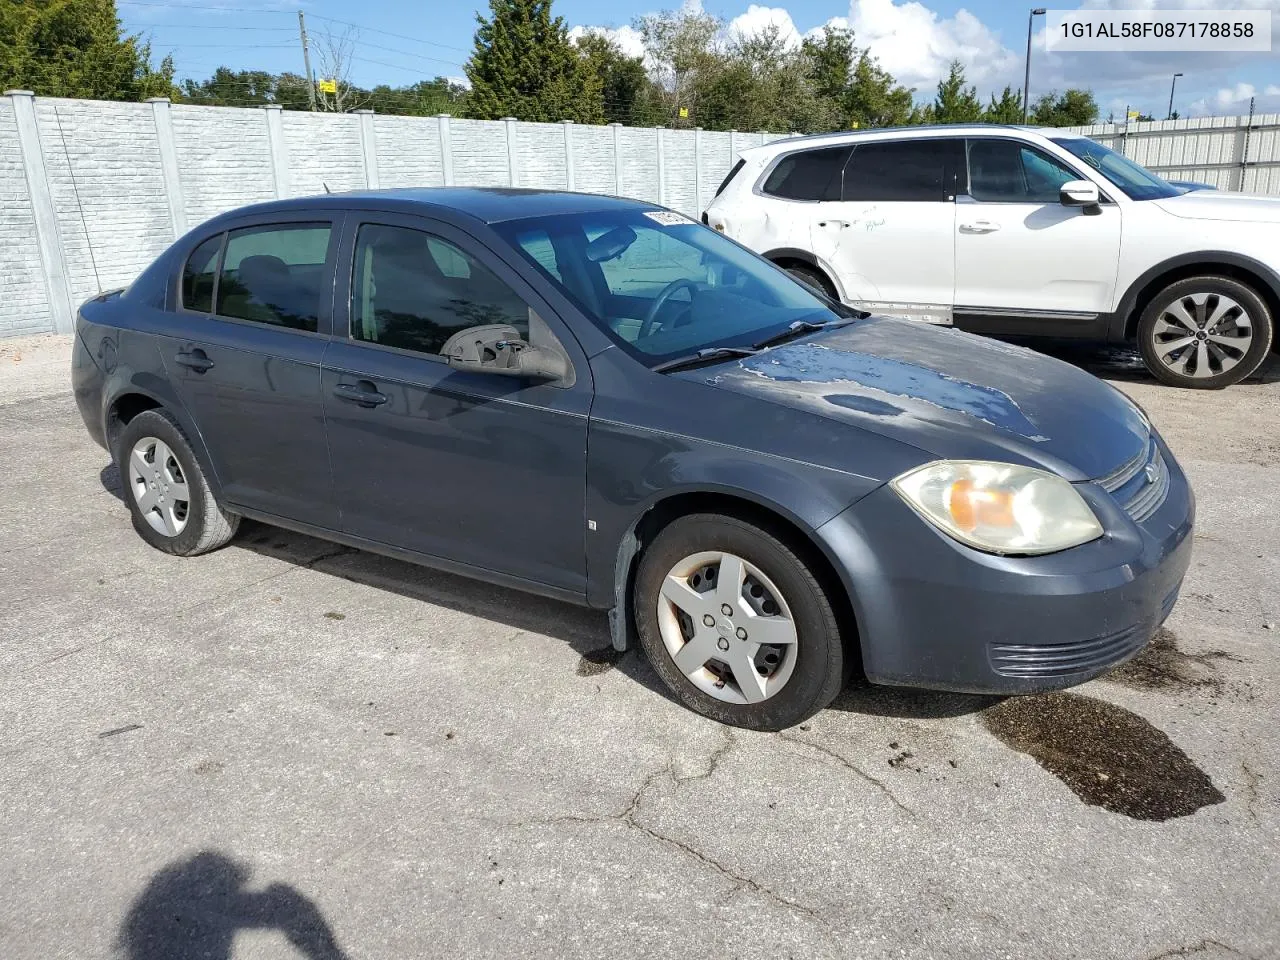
point(667, 218)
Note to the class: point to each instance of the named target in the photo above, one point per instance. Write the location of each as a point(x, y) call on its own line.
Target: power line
point(388, 33)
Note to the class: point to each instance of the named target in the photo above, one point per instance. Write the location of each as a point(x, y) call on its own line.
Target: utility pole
point(1026, 80)
point(1173, 86)
point(306, 62)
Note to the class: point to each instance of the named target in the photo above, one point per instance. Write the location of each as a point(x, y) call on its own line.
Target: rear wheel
point(811, 277)
point(172, 506)
point(1205, 333)
point(736, 624)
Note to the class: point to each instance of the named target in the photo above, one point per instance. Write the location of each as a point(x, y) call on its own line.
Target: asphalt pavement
point(287, 748)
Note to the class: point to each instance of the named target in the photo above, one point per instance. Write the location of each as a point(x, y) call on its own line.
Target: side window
point(903, 170)
point(1005, 171)
point(273, 274)
point(414, 290)
point(199, 275)
point(811, 175)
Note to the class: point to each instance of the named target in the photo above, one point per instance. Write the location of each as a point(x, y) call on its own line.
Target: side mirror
point(497, 348)
point(1079, 193)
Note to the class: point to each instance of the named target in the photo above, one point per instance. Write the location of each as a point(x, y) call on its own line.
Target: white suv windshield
point(1135, 180)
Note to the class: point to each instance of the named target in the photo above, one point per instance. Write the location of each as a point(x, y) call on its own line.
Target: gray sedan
point(602, 401)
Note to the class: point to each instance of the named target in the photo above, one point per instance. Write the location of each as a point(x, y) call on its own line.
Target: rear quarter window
point(200, 274)
point(808, 175)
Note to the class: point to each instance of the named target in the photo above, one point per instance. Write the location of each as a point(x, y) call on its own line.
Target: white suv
point(1015, 231)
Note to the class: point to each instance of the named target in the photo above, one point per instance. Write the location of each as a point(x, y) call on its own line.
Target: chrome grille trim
point(1126, 471)
point(1147, 500)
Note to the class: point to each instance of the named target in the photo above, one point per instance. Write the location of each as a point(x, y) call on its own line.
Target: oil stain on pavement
point(595, 662)
point(1163, 665)
point(1108, 756)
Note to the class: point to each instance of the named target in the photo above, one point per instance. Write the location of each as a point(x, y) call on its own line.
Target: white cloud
point(627, 39)
point(758, 19)
point(917, 45)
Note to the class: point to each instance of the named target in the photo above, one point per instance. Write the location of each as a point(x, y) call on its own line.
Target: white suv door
point(1020, 252)
point(891, 235)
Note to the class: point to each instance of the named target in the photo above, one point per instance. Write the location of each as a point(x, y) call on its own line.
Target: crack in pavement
point(1200, 946)
point(874, 781)
point(1252, 779)
point(628, 817)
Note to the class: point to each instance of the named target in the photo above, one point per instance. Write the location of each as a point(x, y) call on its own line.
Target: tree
point(875, 98)
point(75, 48)
point(681, 46)
point(524, 66)
point(333, 52)
point(624, 84)
point(1008, 109)
point(955, 102)
point(1075, 108)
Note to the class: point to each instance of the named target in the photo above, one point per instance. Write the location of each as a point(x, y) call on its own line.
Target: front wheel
point(1205, 333)
point(736, 624)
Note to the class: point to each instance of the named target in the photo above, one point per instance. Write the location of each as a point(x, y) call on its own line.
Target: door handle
point(364, 393)
point(979, 226)
point(194, 360)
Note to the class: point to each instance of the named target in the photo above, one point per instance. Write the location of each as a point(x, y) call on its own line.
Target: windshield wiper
point(705, 355)
point(799, 328)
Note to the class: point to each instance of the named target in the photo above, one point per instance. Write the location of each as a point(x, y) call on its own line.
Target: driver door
point(466, 466)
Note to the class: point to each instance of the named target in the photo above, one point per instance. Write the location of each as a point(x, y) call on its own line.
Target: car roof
point(902, 133)
point(487, 204)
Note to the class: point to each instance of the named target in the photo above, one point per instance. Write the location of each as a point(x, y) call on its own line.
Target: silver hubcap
point(1202, 335)
point(727, 627)
point(159, 487)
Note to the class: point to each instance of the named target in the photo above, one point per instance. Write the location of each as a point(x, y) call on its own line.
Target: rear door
point(891, 235)
point(477, 468)
point(1023, 256)
point(244, 347)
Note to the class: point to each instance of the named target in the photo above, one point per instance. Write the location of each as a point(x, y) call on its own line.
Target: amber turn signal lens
point(972, 506)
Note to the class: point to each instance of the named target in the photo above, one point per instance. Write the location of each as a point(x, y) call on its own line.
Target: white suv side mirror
point(1079, 193)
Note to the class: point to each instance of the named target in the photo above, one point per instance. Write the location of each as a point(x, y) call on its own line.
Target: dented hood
point(949, 393)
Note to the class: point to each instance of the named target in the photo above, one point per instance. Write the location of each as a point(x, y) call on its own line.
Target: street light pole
point(1026, 81)
point(1172, 87)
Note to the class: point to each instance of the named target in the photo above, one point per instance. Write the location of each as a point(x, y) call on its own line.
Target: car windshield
point(1135, 180)
point(662, 286)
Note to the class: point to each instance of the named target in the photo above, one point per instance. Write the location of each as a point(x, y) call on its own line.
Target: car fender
point(129, 362)
point(1119, 329)
point(806, 256)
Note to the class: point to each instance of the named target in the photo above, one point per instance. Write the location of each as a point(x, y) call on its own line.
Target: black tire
point(822, 661)
point(811, 277)
point(1262, 324)
point(206, 526)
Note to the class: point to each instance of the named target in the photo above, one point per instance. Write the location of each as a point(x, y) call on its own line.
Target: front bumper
point(934, 613)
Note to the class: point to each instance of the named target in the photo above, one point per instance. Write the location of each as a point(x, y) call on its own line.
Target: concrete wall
point(91, 192)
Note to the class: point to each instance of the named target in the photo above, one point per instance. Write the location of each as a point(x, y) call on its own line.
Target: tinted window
point(199, 274)
point(811, 175)
point(1005, 171)
point(732, 173)
point(910, 170)
point(414, 291)
point(273, 274)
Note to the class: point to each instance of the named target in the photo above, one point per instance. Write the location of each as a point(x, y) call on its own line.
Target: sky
point(401, 41)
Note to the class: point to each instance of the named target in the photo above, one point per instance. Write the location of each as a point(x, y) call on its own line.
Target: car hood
point(949, 393)
point(1222, 205)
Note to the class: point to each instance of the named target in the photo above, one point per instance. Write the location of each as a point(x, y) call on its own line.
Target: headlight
point(999, 507)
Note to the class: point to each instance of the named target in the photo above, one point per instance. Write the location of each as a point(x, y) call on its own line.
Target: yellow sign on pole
point(684, 113)
point(328, 86)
